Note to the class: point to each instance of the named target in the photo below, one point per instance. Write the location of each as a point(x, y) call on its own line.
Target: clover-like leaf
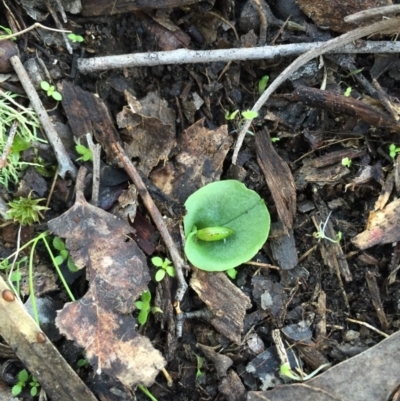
point(225, 204)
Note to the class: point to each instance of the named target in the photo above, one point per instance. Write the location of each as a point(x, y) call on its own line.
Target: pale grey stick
point(342, 40)
point(372, 13)
point(64, 161)
point(184, 56)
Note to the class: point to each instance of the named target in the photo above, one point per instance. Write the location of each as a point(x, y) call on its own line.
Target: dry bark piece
point(87, 113)
point(343, 105)
point(283, 246)
point(349, 380)
point(232, 387)
point(101, 321)
point(198, 163)
point(53, 373)
point(281, 185)
point(225, 301)
point(91, 8)
point(383, 227)
point(332, 13)
point(221, 362)
point(376, 299)
point(336, 157)
point(150, 127)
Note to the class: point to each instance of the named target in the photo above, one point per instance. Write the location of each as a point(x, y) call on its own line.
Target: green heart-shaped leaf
point(225, 204)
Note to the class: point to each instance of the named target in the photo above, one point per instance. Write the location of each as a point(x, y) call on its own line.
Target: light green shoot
point(59, 245)
point(144, 306)
point(200, 362)
point(75, 38)
point(25, 211)
point(346, 161)
point(347, 92)
point(231, 116)
point(393, 150)
point(262, 84)
point(51, 91)
point(23, 378)
point(275, 139)
point(164, 267)
point(320, 234)
point(249, 114)
point(354, 72)
point(286, 371)
point(8, 32)
point(86, 153)
point(145, 390)
point(232, 273)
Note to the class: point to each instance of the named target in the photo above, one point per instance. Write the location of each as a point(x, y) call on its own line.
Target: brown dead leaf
point(150, 125)
point(369, 376)
point(331, 13)
point(383, 227)
point(198, 163)
point(118, 274)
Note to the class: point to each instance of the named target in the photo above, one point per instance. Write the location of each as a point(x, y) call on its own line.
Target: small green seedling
point(231, 116)
point(8, 32)
point(320, 234)
point(286, 372)
point(275, 139)
point(393, 150)
point(144, 306)
point(347, 92)
point(51, 91)
point(86, 153)
point(249, 114)
point(164, 267)
point(246, 115)
point(226, 225)
point(262, 84)
point(25, 211)
point(63, 255)
point(199, 365)
point(23, 378)
point(75, 38)
point(346, 161)
point(82, 363)
point(232, 273)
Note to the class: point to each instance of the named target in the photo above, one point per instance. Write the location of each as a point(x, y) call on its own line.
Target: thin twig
point(330, 45)
point(64, 161)
point(369, 326)
point(184, 56)
point(35, 25)
point(96, 149)
point(178, 261)
point(372, 13)
point(7, 147)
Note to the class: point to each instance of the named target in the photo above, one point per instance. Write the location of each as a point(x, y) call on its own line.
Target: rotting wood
point(25, 338)
point(342, 104)
point(226, 302)
point(376, 299)
point(281, 185)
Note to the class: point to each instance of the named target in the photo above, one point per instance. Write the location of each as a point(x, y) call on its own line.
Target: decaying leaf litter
point(329, 296)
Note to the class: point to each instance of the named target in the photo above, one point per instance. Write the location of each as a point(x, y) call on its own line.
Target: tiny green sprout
point(82, 362)
point(393, 150)
point(144, 306)
point(8, 32)
point(232, 273)
point(262, 84)
point(249, 114)
point(63, 255)
point(346, 161)
point(231, 116)
point(164, 267)
point(23, 378)
point(34, 386)
point(51, 91)
point(75, 38)
point(354, 72)
point(86, 153)
point(347, 92)
point(286, 371)
point(275, 139)
point(25, 211)
point(320, 234)
point(200, 362)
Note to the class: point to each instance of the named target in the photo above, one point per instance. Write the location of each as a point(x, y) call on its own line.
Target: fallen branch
point(184, 56)
point(329, 46)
